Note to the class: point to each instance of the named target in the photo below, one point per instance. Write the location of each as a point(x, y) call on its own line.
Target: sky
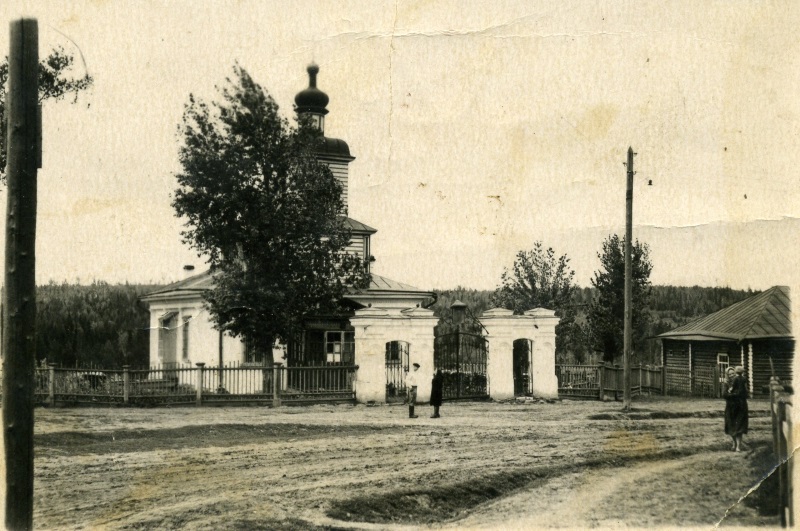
point(477, 127)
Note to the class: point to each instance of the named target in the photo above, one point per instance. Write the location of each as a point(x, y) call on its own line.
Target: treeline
point(100, 325)
point(477, 302)
point(670, 307)
point(105, 325)
point(680, 302)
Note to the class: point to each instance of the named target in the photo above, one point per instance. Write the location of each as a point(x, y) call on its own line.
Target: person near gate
point(436, 392)
point(412, 381)
point(736, 413)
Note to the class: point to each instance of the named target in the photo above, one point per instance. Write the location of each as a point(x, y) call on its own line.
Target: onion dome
point(311, 100)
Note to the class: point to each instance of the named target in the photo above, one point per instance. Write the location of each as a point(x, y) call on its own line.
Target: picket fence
point(177, 384)
point(599, 382)
point(783, 446)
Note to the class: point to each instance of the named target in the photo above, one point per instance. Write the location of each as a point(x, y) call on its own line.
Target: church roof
point(357, 226)
point(379, 283)
point(201, 282)
point(332, 147)
point(763, 316)
point(193, 284)
point(312, 99)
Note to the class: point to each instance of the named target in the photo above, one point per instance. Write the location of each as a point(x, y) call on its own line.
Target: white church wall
point(203, 339)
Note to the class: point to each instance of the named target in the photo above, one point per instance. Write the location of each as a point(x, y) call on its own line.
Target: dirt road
point(483, 465)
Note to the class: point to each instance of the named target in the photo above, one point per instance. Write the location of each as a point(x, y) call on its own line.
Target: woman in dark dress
point(436, 393)
point(736, 414)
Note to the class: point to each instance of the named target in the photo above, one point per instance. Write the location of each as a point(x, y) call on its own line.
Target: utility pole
point(628, 333)
point(19, 304)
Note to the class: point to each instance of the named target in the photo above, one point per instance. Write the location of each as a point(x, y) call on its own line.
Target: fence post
point(716, 385)
point(775, 389)
point(601, 372)
point(51, 385)
point(782, 453)
point(641, 381)
point(276, 386)
point(664, 380)
point(126, 384)
point(199, 400)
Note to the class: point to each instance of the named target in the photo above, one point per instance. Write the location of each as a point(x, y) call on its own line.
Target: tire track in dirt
point(591, 498)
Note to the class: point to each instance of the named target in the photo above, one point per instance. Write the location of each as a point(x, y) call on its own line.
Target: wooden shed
point(755, 333)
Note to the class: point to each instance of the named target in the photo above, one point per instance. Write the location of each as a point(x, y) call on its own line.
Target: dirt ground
point(567, 464)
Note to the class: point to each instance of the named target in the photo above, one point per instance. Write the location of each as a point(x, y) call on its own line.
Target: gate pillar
point(502, 328)
point(374, 327)
point(544, 380)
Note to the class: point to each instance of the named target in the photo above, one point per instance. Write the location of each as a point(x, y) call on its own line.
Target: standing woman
point(730, 375)
point(736, 420)
point(436, 392)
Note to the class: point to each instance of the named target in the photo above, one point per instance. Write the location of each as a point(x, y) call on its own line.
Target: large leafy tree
point(265, 212)
point(540, 279)
point(607, 311)
point(55, 83)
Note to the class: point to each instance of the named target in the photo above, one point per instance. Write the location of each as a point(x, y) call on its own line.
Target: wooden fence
point(783, 446)
point(599, 382)
point(185, 384)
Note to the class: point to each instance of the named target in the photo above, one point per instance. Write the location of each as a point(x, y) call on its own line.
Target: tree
point(607, 311)
point(54, 84)
point(266, 214)
point(539, 279)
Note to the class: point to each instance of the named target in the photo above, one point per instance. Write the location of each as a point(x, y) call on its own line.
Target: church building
point(182, 332)
point(387, 327)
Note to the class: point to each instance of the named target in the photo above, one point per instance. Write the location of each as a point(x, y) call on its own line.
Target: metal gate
point(396, 370)
point(462, 358)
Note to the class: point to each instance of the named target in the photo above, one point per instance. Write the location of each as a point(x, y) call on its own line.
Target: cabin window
point(723, 362)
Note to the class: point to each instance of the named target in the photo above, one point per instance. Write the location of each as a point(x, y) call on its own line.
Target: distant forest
point(670, 307)
point(101, 325)
point(106, 326)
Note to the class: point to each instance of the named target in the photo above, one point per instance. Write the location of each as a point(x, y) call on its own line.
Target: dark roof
point(312, 99)
point(193, 284)
point(762, 316)
point(197, 284)
point(379, 283)
point(357, 226)
point(333, 147)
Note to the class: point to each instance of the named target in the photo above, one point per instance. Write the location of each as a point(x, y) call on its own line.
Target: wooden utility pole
point(628, 334)
point(19, 330)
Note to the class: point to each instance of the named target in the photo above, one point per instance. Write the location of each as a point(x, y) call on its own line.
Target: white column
point(501, 327)
point(373, 329)
point(154, 331)
point(545, 381)
point(370, 355)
